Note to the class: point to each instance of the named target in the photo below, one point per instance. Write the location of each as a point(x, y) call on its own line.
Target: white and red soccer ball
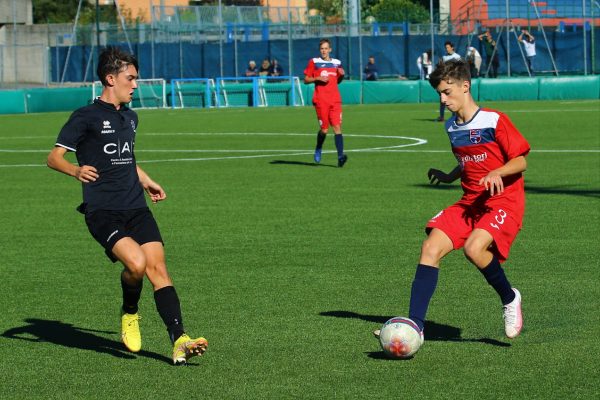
point(400, 337)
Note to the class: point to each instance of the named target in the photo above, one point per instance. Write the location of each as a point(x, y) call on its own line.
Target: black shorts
point(109, 226)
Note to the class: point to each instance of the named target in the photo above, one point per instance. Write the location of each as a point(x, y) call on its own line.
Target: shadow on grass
point(302, 163)
point(441, 186)
point(434, 119)
point(562, 190)
point(67, 335)
point(433, 331)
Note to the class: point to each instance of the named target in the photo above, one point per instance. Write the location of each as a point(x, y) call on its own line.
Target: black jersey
point(103, 137)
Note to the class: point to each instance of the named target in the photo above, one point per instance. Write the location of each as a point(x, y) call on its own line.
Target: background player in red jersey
point(485, 221)
point(326, 73)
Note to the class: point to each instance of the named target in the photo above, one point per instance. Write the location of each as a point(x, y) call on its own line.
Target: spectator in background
point(425, 65)
point(491, 55)
point(252, 70)
point(275, 69)
point(474, 59)
point(370, 72)
point(528, 42)
point(264, 68)
point(450, 55)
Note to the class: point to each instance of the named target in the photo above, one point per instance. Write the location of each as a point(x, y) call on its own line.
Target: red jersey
point(326, 92)
point(487, 142)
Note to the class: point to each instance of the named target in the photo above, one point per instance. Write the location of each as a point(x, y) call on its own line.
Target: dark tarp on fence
point(394, 55)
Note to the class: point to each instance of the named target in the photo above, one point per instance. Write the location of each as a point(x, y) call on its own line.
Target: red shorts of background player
point(498, 218)
point(328, 114)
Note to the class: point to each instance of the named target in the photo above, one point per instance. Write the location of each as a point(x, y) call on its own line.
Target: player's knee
point(474, 250)
point(157, 268)
point(432, 250)
point(136, 265)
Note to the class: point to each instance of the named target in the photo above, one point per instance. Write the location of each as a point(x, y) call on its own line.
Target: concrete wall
point(24, 54)
point(17, 11)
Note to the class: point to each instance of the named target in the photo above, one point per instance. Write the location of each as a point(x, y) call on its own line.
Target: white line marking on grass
point(401, 148)
point(552, 111)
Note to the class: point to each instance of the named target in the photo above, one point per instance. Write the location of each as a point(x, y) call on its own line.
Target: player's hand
point(86, 174)
point(155, 191)
point(492, 182)
point(436, 176)
point(323, 79)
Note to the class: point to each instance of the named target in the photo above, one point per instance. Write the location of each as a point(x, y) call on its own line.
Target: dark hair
point(112, 61)
point(451, 70)
point(324, 41)
point(449, 43)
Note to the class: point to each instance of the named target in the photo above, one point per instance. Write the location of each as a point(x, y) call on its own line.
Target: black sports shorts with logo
point(109, 226)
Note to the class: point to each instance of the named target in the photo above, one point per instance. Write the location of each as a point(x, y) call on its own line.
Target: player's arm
point(493, 181)
point(340, 74)
point(56, 160)
point(313, 79)
point(436, 176)
point(154, 190)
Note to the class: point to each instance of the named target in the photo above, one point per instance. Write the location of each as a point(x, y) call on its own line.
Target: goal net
point(258, 92)
point(197, 92)
point(150, 93)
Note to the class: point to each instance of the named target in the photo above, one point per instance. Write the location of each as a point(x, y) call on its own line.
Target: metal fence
point(36, 54)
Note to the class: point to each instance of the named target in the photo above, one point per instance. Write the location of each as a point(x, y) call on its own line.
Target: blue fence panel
point(394, 55)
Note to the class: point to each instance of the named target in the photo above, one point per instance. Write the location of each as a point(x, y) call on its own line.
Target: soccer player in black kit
point(102, 135)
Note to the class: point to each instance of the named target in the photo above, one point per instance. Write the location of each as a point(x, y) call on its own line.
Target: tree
point(399, 11)
point(330, 10)
point(51, 11)
point(64, 11)
point(382, 10)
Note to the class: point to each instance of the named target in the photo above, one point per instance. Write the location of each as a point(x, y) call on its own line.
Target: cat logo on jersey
point(475, 136)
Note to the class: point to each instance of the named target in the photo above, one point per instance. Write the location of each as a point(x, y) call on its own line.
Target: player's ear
point(110, 79)
point(466, 86)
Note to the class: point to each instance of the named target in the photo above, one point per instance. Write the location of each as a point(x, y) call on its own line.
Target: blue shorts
point(109, 226)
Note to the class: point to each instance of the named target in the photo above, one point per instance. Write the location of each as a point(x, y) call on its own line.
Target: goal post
point(192, 92)
point(150, 93)
point(263, 91)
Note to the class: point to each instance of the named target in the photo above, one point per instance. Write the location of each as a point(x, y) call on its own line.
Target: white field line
point(401, 148)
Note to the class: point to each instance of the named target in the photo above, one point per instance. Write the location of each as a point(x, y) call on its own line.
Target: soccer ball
point(400, 338)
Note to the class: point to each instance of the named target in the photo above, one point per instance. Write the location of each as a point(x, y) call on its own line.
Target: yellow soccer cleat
point(130, 332)
point(186, 348)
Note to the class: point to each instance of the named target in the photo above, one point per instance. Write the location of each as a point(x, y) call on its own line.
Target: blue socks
point(494, 275)
point(320, 140)
point(339, 145)
point(423, 287)
point(425, 282)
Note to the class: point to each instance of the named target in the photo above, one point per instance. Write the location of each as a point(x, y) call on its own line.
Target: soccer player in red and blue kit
point(491, 159)
point(326, 73)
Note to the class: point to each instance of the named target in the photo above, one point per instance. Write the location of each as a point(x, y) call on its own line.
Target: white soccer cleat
point(513, 318)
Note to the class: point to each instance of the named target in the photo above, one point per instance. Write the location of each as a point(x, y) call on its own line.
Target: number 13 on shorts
point(500, 217)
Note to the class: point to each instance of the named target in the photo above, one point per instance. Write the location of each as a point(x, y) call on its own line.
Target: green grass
point(286, 267)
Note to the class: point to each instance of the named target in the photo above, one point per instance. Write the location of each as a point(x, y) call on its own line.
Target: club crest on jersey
point(106, 128)
point(475, 136)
